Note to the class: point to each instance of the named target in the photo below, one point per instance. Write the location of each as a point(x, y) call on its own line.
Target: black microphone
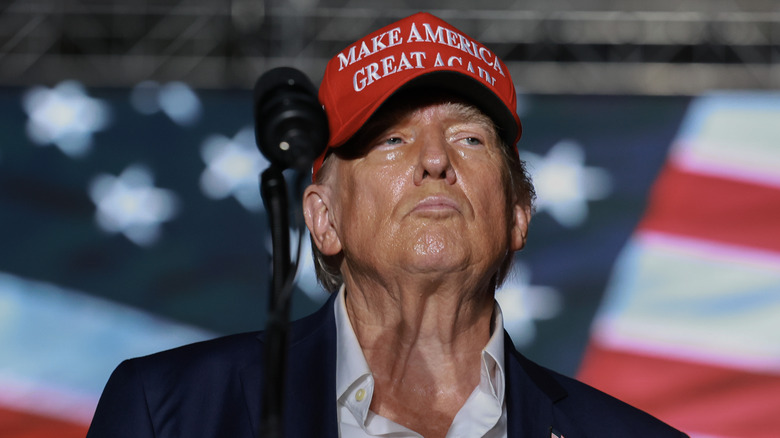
point(291, 129)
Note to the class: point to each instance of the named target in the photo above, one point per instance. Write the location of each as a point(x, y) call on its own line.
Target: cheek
point(486, 174)
point(369, 198)
point(489, 197)
point(385, 185)
point(396, 185)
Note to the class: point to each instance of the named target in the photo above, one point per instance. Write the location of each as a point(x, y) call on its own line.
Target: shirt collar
point(493, 356)
point(352, 372)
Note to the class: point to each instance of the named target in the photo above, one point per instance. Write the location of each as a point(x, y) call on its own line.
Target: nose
point(435, 162)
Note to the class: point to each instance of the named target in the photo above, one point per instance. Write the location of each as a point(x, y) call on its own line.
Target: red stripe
point(692, 397)
point(715, 209)
point(16, 424)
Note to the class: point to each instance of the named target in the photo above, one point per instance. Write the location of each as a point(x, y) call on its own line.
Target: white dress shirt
point(483, 414)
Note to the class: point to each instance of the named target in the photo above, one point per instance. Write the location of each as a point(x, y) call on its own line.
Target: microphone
point(291, 129)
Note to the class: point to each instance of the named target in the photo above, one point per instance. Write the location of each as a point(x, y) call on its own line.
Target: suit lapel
point(310, 386)
point(310, 406)
point(252, 383)
point(530, 394)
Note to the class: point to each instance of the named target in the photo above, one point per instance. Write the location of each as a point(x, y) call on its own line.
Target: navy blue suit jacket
point(214, 389)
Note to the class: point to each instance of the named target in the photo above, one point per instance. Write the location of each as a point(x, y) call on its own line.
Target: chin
point(437, 255)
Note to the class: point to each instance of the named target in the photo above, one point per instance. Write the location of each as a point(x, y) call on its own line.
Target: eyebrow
point(472, 114)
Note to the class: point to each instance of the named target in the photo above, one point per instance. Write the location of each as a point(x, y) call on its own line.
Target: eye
point(471, 135)
point(471, 141)
point(389, 142)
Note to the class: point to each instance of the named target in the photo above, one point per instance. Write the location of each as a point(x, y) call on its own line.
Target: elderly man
point(416, 209)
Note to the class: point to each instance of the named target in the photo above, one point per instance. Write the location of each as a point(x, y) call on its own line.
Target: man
point(416, 209)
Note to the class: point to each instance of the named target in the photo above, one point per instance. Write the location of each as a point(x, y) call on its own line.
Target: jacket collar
point(310, 383)
point(531, 392)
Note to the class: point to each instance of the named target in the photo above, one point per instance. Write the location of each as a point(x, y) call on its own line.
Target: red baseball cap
point(418, 51)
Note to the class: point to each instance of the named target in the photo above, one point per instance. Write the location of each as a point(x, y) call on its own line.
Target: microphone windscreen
point(291, 129)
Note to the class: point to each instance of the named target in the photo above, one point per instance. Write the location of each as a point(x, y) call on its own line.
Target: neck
point(422, 341)
point(431, 313)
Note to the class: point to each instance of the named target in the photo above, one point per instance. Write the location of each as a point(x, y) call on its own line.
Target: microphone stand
point(274, 192)
point(291, 130)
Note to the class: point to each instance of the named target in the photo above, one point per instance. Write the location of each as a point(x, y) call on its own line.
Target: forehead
point(417, 99)
point(453, 112)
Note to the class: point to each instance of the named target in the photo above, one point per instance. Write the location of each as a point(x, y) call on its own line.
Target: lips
point(436, 204)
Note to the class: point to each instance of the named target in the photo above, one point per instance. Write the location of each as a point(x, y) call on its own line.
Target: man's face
point(425, 195)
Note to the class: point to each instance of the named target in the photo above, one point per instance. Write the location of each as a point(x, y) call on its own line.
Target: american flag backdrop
point(690, 327)
point(130, 222)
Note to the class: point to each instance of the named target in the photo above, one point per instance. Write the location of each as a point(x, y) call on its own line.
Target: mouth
point(436, 205)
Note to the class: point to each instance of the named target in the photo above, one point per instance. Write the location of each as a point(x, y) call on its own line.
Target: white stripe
point(707, 249)
point(59, 346)
point(693, 303)
point(734, 135)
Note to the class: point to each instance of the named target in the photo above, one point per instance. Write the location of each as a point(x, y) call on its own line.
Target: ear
point(522, 217)
point(317, 214)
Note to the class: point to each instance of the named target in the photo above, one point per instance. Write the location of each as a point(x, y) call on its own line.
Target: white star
point(176, 99)
point(232, 168)
point(522, 304)
point(64, 116)
point(180, 103)
point(564, 185)
point(131, 205)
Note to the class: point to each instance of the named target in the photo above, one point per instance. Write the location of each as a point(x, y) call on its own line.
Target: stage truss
point(669, 47)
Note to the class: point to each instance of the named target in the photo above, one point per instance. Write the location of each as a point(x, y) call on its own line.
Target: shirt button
point(360, 394)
